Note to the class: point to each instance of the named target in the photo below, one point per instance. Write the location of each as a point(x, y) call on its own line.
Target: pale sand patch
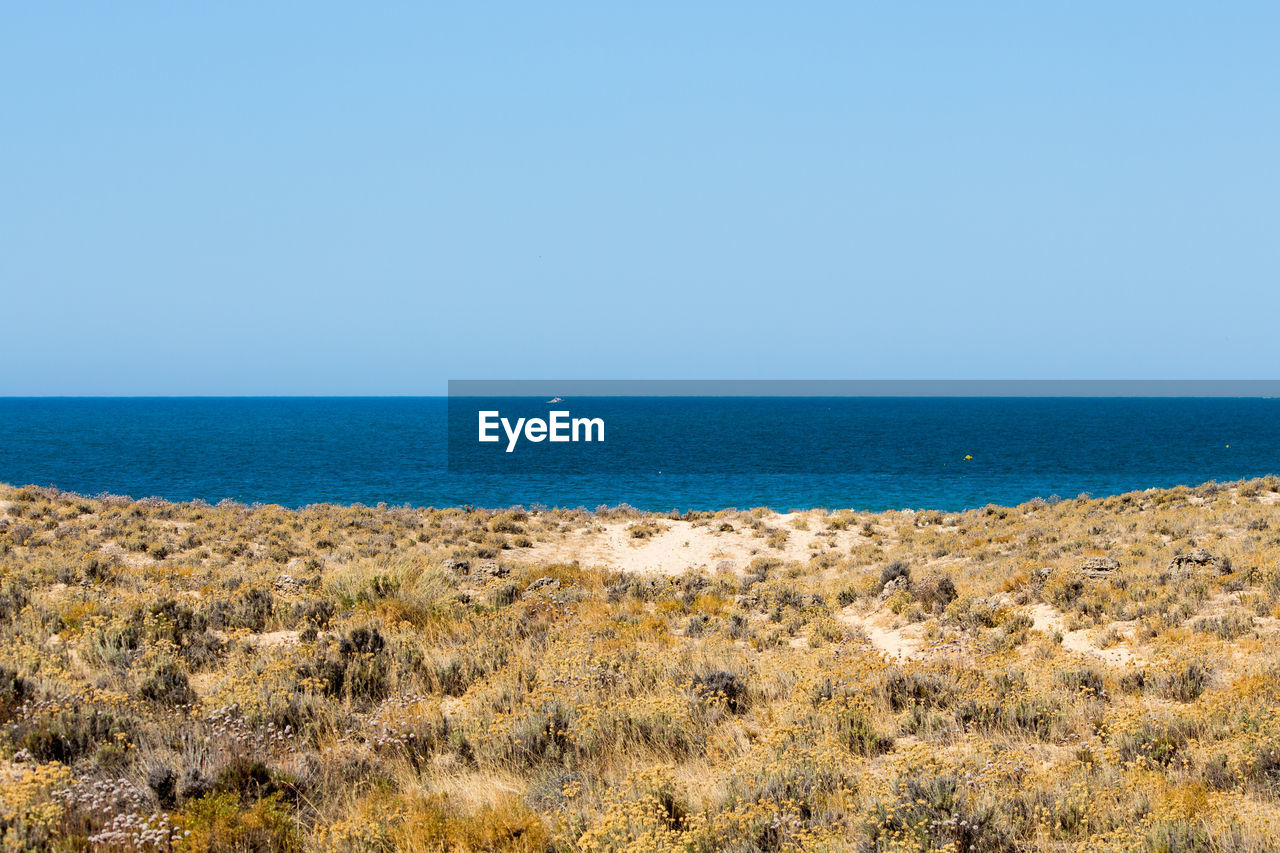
point(57, 592)
point(131, 559)
point(202, 682)
point(1216, 605)
point(898, 642)
point(1047, 620)
point(76, 663)
point(267, 640)
point(682, 546)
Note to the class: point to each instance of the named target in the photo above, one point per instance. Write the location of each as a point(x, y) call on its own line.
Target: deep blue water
point(866, 453)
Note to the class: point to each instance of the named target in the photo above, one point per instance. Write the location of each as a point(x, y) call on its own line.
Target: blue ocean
point(661, 454)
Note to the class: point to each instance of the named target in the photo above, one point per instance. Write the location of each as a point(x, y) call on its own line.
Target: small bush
point(1157, 741)
point(723, 685)
point(935, 813)
point(892, 572)
point(250, 609)
point(167, 685)
point(937, 591)
point(1184, 683)
point(219, 823)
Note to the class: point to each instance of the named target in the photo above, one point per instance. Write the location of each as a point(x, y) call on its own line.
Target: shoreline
point(1264, 480)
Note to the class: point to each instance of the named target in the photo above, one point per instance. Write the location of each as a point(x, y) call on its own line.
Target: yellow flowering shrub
point(1080, 674)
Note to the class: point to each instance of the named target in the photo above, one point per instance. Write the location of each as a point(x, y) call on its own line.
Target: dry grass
point(195, 677)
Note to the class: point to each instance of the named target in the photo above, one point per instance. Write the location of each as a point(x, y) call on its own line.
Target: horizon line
point(767, 389)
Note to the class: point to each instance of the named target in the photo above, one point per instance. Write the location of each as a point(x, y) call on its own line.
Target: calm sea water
point(866, 453)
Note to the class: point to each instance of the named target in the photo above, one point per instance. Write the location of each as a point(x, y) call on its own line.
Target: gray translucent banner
point(1163, 431)
point(864, 388)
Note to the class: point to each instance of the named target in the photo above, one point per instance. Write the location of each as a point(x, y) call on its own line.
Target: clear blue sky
point(310, 198)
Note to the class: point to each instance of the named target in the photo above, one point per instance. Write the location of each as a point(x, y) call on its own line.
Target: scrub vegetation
point(1072, 674)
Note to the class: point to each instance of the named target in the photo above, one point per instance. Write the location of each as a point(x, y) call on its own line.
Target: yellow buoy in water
point(967, 456)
